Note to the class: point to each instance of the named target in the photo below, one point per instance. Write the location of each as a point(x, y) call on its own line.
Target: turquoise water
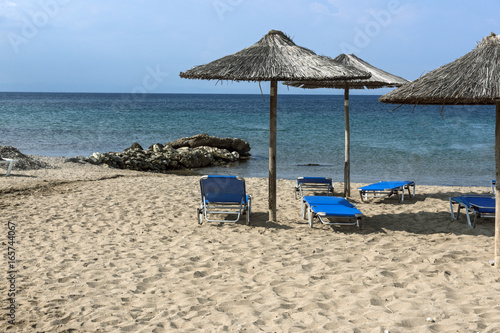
point(455, 147)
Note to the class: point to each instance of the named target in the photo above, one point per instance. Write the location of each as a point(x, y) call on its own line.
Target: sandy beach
point(106, 250)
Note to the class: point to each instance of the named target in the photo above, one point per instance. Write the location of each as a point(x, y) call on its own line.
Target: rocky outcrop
point(23, 162)
point(186, 153)
point(200, 140)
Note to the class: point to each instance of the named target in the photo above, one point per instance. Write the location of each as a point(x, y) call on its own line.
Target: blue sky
point(137, 46)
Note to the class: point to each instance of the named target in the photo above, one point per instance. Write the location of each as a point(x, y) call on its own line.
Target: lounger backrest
point(226, 189)
point(479, 201)
point(314, 180)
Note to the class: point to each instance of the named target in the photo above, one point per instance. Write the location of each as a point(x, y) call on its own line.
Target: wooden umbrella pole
point(497, 186)
point(347, 165)
point(272, 150)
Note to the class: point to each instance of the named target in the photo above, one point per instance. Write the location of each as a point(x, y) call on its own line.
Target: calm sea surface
point(453, 147)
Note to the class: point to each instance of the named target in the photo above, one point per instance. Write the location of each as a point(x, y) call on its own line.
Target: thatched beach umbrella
point(274, 58)
point(470, 80)
point(378, 79)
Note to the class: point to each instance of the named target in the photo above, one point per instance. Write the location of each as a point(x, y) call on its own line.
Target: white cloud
point(319, 8)
point(9, 4)
point(7, 8)
point(358, 11)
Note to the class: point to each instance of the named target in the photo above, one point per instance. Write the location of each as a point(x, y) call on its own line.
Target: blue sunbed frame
point(313, 184)
point(307, 201)
point(332, 210)
point(223, 195)
point(386, 189)
point(478, 205)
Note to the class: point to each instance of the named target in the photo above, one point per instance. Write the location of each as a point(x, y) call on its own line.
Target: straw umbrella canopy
point(470, 80)
point(378, 79)
point(274, 58)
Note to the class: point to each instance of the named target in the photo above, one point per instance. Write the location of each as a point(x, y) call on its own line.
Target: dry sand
point(104, 250)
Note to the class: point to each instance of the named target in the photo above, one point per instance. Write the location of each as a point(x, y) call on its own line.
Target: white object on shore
point(8, 161)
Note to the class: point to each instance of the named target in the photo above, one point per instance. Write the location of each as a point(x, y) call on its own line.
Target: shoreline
point(60, 170)
point(101, 250)
point(59, 162)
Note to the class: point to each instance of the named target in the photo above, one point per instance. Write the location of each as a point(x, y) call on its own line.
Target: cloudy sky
point(142, 45)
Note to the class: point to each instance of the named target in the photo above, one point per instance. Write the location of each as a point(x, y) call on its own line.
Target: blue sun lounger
point(479, 205)
point(223, 195)
point(332, 210)
point(307, 201)
point(387, 189)
point(313, 184)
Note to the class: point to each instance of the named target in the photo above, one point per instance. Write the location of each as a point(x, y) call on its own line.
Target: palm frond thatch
point(379, 78)
point(274, 58)
point(472, 79)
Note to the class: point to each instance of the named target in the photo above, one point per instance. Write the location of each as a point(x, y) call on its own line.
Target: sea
point(431, 145)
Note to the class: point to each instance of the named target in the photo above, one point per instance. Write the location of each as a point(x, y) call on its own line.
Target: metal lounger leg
point(451, 210)
point(9, 168)
point(357, 221)
point(303, 208)
point(199, 211)
point(238, 213)
point(249, 209)
point(468, 218)
point(310, 216)
point(459, 207)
